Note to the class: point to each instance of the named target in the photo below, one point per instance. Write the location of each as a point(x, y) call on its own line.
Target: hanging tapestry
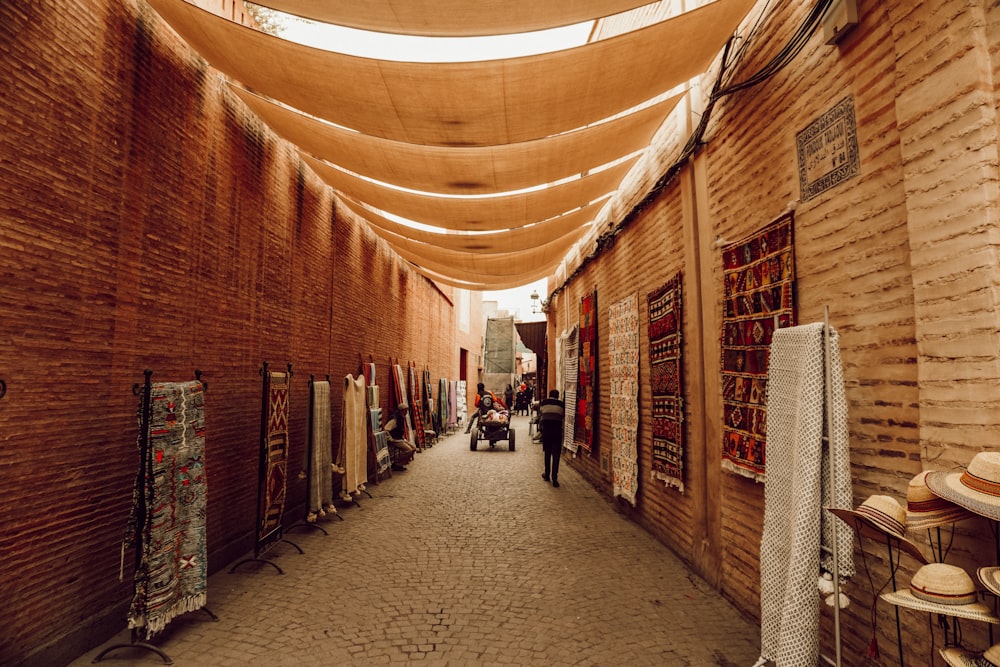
point(586, 384)
point(443, 403)
point(354, 436)
point(623, 372)
point(416, 408)
point(459, 400)
point(399, 392)
point(379, 446)
point(172, 576)
point(430, 416)
point(320, 500)
point(380, 441)
point(382, 458)
point(667, 383)
point(371, 389)
point(798, 536)
point(571, 362)
point(759, 276)
point(274, 462)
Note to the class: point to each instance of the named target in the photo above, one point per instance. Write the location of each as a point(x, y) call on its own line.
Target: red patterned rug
point(667, 382)
point(586, 383)
point(759, 275)
point(275, 461)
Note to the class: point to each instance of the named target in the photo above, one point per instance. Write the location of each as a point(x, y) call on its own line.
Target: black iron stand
point(265, 543)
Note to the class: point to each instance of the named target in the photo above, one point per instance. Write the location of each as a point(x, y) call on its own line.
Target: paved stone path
point(467, 558)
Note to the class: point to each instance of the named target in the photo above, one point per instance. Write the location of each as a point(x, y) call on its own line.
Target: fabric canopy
point(492, 264)
point(464, 170)
point(473, 103)
point(470, 281)
point(475, 213)
point(508, 240)
point(452, 18)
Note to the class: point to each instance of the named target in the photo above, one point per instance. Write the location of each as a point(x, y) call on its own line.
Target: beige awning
point(473, 282)
point(452, 18)
point(475, 213)
point(508, 240)
point(492, 265)
point(461, 104)
point(464, 170)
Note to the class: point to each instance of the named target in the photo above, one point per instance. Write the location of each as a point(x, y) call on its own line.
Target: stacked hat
point(958, 657)
point(990, 576)
point(879, 517)
point(977, 489)
point(926, 509)
point(939, 588)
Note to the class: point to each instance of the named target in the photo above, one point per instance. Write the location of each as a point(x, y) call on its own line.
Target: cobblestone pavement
point(466, 558)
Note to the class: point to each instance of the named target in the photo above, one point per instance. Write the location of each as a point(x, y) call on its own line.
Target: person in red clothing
point(494, 403)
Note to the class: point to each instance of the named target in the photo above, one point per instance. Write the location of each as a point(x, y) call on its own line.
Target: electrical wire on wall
point(780, 60)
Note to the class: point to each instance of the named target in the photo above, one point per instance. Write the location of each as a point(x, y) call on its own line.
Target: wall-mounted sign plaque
point(828, 150)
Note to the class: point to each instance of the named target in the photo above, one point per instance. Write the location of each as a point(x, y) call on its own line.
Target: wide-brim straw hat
point(977, 488)
point(879, 517)
point(990, 576)
point(958, 657)
point(939, 588)
point(926, 509)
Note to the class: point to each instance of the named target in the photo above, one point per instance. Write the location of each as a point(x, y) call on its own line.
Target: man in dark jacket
point(550, 424)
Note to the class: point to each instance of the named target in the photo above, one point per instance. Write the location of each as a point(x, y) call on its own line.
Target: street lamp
point(534, 302)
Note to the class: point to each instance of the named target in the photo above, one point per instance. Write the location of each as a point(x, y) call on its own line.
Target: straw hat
point(940, 588)
point(957, 657)
point(878, 517)
point(977, 489)
point(925, 509)
point(990, 576)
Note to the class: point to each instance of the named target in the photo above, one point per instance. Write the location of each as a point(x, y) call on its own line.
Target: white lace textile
point(797, 488)
point(623, 367)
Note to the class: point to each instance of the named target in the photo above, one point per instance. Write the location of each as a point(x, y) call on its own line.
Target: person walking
point(550, 424)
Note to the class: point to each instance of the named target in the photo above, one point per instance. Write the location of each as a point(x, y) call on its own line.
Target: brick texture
point(904, 256)
point(147, 220)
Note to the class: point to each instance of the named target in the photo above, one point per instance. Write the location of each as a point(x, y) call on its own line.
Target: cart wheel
point(475, 439)
point(510, 439)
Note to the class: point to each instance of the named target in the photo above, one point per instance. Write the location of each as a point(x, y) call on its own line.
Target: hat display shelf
point(949, 592)
point(976, 490)
point(310, 445)
point(928, 511)
point(144, 476)
point(265, 542)
point(881, 519)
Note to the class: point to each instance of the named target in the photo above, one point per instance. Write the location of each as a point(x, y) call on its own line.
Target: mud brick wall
point(904, 256)
point(148, 221)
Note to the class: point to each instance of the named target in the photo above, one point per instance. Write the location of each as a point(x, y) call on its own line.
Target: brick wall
point(904, 256)
point(147, 220)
